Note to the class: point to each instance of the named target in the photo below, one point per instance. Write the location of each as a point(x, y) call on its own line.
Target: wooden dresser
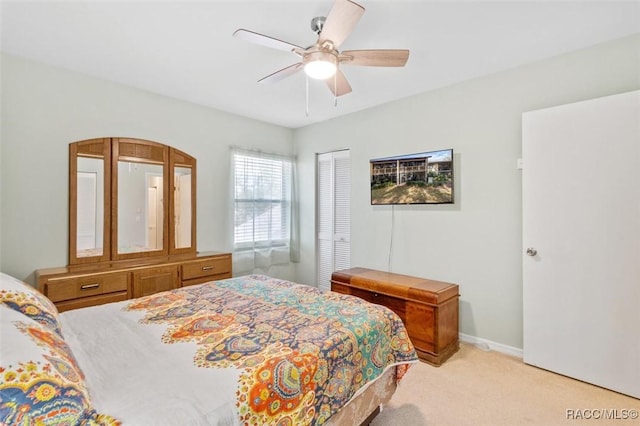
point(429, 309)
point(79, 287)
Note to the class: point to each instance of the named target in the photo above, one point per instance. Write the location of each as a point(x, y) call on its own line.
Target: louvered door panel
point(342, 210)
point(333, 215)
point(325, 217)
point(325, 264)
point(342, 196)
point(325, 222)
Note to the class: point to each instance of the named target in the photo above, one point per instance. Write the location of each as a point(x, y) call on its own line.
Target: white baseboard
point(488, 345)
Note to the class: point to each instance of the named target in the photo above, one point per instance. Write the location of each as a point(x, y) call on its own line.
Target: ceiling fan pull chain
point(306, 79)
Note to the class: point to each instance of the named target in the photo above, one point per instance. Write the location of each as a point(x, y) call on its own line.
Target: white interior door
point(333, 215)
point(581, 213)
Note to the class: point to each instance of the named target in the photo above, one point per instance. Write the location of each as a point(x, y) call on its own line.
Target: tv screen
point(422, 178)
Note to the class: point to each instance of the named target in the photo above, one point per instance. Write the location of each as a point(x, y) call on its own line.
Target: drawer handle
point(207, 268)
point(89, 286)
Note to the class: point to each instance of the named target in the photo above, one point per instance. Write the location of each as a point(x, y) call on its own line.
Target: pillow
point(40, 380)
point(25, 299)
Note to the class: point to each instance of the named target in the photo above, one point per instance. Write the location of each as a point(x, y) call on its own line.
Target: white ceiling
point(185, 49)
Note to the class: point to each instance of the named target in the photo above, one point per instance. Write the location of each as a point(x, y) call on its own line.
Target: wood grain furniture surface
point(140, 203)
point(80, 287)
point(428, 308)
point(102, 267)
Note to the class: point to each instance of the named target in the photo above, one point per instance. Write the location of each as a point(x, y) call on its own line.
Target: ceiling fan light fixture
point(323, 59)
point(320, 65)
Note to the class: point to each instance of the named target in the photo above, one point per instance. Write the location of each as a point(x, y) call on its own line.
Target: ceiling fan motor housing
point(317, 24)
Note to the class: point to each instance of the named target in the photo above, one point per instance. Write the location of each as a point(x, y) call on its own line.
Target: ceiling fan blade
point(264, 40)
point(281, 74)
point(375, 58)
point(340, 86)
point(342, 19)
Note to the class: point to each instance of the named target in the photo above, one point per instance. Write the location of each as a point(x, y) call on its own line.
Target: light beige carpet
point(479, 388)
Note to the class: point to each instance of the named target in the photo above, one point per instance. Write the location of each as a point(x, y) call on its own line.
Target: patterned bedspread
point(302, 353)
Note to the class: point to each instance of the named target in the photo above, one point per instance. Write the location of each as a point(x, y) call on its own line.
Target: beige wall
point(45, 108)
point(477, 242)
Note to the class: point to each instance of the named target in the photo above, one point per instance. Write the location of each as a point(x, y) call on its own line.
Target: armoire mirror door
point(182, 211)
point(89, 201)
point(140, 199)
point(130, 199)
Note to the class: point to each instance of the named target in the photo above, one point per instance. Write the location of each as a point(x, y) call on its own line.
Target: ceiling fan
point(323, 60)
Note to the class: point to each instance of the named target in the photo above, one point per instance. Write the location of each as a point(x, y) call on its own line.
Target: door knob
point(531, 251)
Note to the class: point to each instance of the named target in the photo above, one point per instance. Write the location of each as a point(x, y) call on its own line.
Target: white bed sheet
point(136, 378)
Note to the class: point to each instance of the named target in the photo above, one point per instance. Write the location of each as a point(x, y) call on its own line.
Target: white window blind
point(262, 199)
point(265, 225)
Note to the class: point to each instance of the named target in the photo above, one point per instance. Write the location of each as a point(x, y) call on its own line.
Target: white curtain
point(265, 225)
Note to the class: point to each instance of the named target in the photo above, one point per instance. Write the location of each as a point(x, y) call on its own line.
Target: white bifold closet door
point(581, 236)
point(333, 203)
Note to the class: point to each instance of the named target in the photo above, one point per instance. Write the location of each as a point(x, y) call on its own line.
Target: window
point(262, 185)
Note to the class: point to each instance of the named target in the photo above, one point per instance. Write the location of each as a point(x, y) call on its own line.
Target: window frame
point(250, 160)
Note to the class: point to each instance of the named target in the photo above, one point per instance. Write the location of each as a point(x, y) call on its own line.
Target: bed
point(250, 350)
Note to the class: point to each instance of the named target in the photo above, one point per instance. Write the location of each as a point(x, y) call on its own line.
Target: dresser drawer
point(91, 301)
point(393, 303)
point(154, 280)
point(206, 267)
point(81, 286)
point(362, 294)
point(339, 288)
point(68, 288)
point(420, 320)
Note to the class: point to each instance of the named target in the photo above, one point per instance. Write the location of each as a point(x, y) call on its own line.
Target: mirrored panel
point(140, 207)
point(130, 199)
point(89, 207)
point(182, 206)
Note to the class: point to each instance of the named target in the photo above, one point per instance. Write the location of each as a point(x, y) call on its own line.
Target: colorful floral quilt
point(302, 353)
point(40, 381)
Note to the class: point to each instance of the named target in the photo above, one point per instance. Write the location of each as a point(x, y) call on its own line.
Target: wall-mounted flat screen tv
point(421, 178)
